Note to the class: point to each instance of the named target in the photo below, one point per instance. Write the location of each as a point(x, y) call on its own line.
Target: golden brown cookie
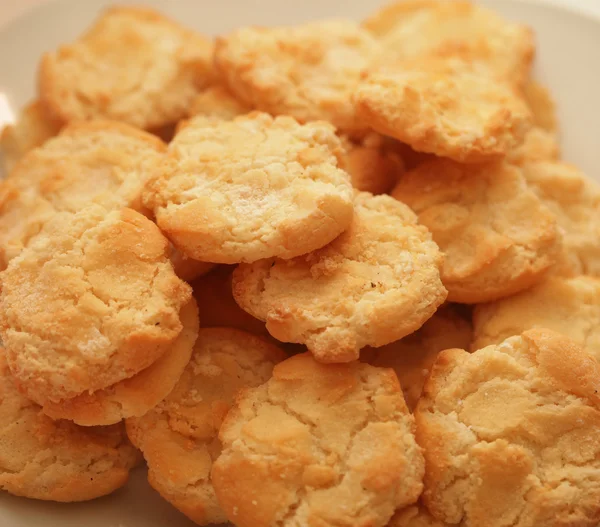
point(93, 300)
point(374, 284)
point(133, 65)
point(497, 236)
point(412, 357)
point(511, 434)
point(538, 145)
point(56, 460)
point(307, 72)
point(542, 106)
point(445, 107)
point(218, 101)
point(282, 194)
point(415, 516)
point(179, 438)
point(318, 445)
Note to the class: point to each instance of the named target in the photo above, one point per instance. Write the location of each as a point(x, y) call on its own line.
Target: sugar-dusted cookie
point(133, 65)
point(318, 444)
point(56, 460)
point(374, 284)
point(179, 438)
point(497, 236)
point(217, 101)
point(93, 300)
point(251, 188)
point(307, 72)
point(511, 434)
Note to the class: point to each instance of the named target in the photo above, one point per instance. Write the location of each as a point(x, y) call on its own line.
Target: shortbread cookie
point(251, 188)
point(511, 434)
point(444, 107)
point(376, 283)
point(542, 106)
point(93, 300)
point(189, 269)
point(497, 236)
point(135, 396)
point(179, 438)
point(307, 72)
point(412, 357)
point(56, 460)
point(417, 28)
point(218, 101)
point(318, 445)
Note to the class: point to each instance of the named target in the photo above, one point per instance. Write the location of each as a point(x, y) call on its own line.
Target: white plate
point(568, 62)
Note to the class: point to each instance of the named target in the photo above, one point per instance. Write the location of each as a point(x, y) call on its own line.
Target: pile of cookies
point(333, 274)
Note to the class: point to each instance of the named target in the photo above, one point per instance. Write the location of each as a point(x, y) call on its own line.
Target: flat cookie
point(412, 357)
point(445, 107)
point(511, 434)
point(56, 460)
point(374, 284)
point(179, 438)
point(133, 65)
point(497, 236)
point(307, 72)
point(542, 106)
point(282, 194)
point(318, 445)
point(218, 101)
point(93, 300)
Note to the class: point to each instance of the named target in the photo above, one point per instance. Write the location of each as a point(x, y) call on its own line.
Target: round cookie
point(497, 236)
point(374, 284)
point(412, 357)
point(318, 445)
point(281, 195)
point(444, 106)
point(218, 101)
point(307, 72)
point(179, 438)
point(93, 300)
point(56, 460)
point(542, 106)
point(149, 86)
point(511, 434)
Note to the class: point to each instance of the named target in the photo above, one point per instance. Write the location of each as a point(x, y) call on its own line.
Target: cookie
point(218, 101)
point(415, 516)
point(412, 357)
point(281, 195)
point(415, 29)
point(307, 72)
point(56, 460)
point(497, 236)
point(179, 438)
point(538, 145)
point(93, 300)
point(445, 107)
point(374, 284)
point(318, 445)
point(189, 269)
point(135, 396)
point(133, 65)
point(511, 434)
point(542, 106)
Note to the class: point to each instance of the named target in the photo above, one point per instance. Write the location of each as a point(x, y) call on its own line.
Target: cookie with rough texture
point(412, 357)
point(179, 438)
point(218, 101)
point(318, 445)
point(542, 106)
point(307, 72)
point(415, 29)
point(56, 460)
point(282, 194)
point(133, 65)
point(511, 434)
point(135, 396)
point(93, 300)
point(538, 145)
point(374, 284)
point(445, 107)
point(497, 236)
point(415, 516)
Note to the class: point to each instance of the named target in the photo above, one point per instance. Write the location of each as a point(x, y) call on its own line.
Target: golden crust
point(512, 434)
point(542, 106)
point(318, 445)
point(218, 101)
point(56, 460)
point(282, 194)
point(179, 438)
point(497, 236)
point(374, 284)
point(307, 72)
point(150, 85)
point(93, 300)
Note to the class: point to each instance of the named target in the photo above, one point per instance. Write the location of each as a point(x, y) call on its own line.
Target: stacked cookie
point(261, 261)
